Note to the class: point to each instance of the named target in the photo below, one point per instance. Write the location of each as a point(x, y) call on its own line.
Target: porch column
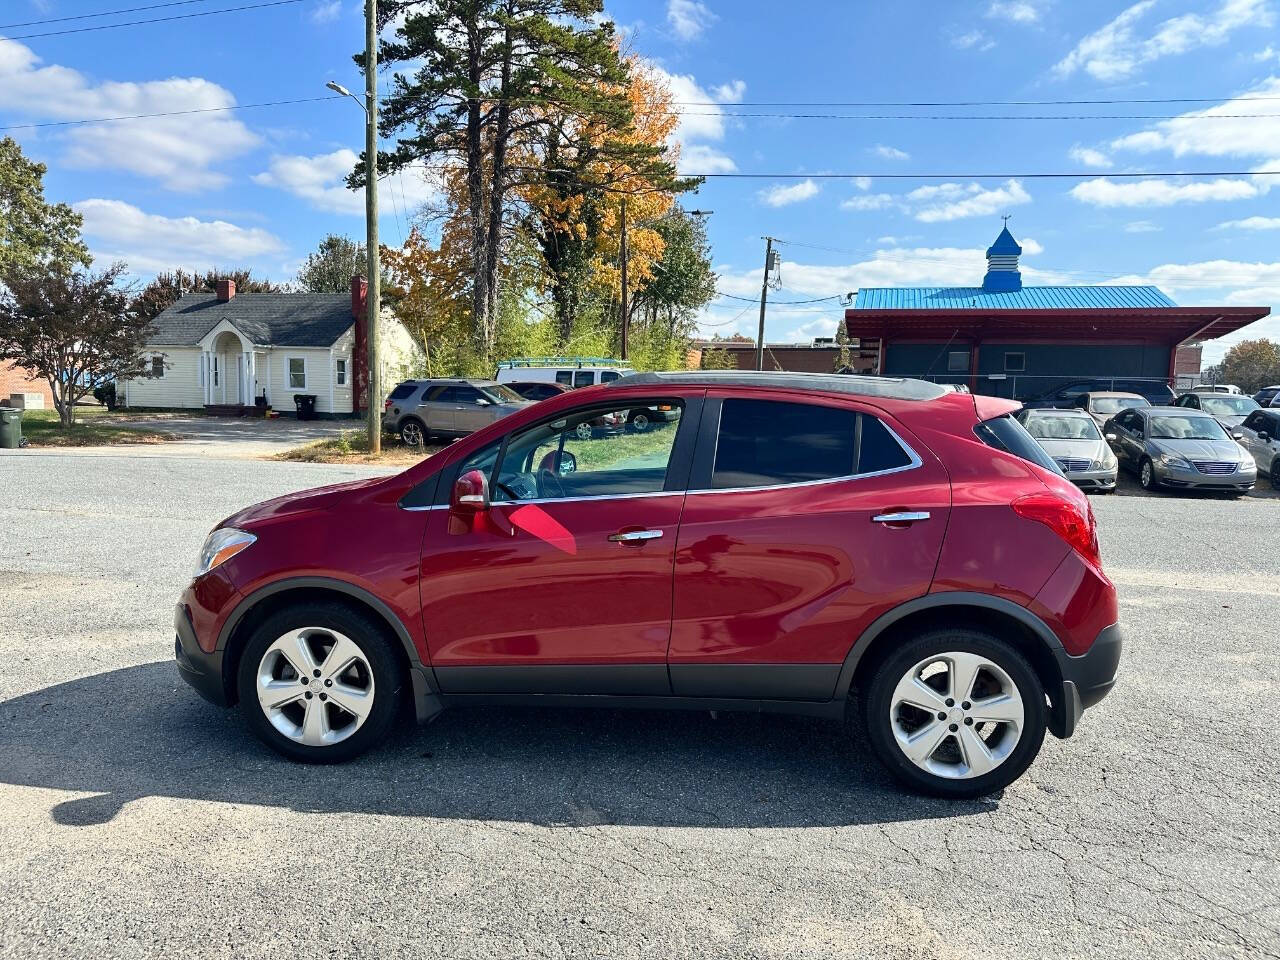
point(247, 389)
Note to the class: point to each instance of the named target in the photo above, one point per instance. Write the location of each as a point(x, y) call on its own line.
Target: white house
point(226, 351)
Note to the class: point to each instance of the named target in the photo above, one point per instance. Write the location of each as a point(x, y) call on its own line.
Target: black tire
point(877, 701)
point(640, 421)
point(410, 425)
point(1275, 473)
point(1143, 474)
point(369, 635)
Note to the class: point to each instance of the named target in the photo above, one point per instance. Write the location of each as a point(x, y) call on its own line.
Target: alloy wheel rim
point(583, 430)
point(640, 422)
point(957, 715)
point(412, 435)
point(315, 686)
point(1146, 474)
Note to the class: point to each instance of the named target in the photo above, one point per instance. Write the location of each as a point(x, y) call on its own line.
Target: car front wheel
point(1275, 473)
point(956, 713)
point(319, 683)
point(1147, 475)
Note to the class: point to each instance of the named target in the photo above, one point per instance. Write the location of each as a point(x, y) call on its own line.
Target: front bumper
point(202, 670)
point(1094, 479)
point(1192, 479)
point(1086, 679)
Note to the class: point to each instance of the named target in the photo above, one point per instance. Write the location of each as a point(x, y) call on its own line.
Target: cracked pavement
point(139, 820)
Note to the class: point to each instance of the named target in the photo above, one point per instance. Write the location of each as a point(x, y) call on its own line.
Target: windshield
point(500, 393)
point(1062, 428)
point(1116, 404)
point(1182, 427)
point(1227, 405)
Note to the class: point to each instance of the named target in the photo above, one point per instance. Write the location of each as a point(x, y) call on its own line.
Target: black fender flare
point(936, 601)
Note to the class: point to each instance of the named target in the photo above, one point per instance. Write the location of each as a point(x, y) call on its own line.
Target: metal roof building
point(1007, 339)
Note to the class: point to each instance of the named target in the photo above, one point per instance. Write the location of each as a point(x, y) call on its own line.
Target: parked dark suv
point(841, 547)
point(1156, 392)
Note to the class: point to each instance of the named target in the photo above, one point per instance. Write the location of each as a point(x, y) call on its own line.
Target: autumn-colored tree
point(166, 288)
point(1250, 365)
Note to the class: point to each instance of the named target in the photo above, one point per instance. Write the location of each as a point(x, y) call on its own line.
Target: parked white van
point(571, 371)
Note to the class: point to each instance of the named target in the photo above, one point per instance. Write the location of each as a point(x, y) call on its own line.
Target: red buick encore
point(878, 551)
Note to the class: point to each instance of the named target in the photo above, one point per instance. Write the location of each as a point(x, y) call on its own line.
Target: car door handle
point(635, 536)
point(902, 516)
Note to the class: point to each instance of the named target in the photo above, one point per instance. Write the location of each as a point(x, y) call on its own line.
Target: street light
point(373, 295)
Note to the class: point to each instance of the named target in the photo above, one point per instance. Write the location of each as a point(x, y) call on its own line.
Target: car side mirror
point(1263, 436)
point(1111, 438)
point(470, 493)
point(482, 402)
point(1237, 435)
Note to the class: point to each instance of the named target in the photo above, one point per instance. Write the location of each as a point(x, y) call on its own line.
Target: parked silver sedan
point(1230, 409)
point(1179, 447)
point(1071, 437)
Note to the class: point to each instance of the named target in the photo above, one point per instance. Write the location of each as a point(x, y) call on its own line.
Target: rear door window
point(565, 377)
point(583, 378)
point(608, 376)
point(764, 443)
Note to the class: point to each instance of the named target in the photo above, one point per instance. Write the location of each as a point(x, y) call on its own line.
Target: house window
point(1015, 362)
point(958, 361)
point(341, 372)
point(157, 367)
point(297, 373)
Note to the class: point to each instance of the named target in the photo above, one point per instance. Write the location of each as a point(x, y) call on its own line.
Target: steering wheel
point(549, 484)
point(508, 490)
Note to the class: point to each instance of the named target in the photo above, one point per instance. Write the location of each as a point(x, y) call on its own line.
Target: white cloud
point(320, 181)
point(1030, 247)
point(1116, 51)
point(1160, 193)
point(973, 40)
point(1270, 53)
point(889, 153)
point(870, 201)
point(1251, 223)
point(862, 183)
point(1142, 226)
point(150, 243)
point(180, 152)
point(782, 195)
point(951, 201)
point(689, 18)
point(731, 92)
point(1018, 11)
point(1089, 157)
point(326, 11)
point(699, 124)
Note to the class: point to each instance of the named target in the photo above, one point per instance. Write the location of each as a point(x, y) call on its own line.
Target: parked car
point(1268, 396)
point(1102, 405)
point(1215, 388)
point(1156, 392)
point(810, 544)
point(1229, 408)
point(1260, 437)
point(1181, 448)
point(1071, 437)
point(533, 390)
point(572, 372)
point(420, 409)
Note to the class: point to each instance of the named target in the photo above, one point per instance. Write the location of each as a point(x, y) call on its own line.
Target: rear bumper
point(202, 670)
point(1086, 679)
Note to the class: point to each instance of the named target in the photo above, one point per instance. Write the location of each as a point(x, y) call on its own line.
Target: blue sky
point(260, 187)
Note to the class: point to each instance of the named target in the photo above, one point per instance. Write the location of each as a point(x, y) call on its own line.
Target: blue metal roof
point(1028, 298)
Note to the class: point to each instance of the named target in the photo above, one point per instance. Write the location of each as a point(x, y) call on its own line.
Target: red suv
point(872, 550)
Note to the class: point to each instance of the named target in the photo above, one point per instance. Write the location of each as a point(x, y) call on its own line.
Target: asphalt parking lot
point(137, 820)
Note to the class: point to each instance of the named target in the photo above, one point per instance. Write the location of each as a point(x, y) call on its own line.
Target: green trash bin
point(10, 428)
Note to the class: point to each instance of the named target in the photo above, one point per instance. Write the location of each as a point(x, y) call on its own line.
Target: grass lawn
point(352, 446)
point(94, 427)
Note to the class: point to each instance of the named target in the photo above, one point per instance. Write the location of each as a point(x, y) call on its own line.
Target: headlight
point(1106, 462)
point(220, 546)
point(1169, 460)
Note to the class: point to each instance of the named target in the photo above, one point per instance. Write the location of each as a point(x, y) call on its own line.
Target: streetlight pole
point(373, 292)
point(623, 252)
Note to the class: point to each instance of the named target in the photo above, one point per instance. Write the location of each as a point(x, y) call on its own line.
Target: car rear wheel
point(413, 433)
point(1147, 475)
point(319, 683)
point(955, 713)
point(640, 421)
point(582, 431)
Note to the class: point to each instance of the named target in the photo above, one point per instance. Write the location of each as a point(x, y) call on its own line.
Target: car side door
point(435, 409)
point(1250, 440)
point(470, 411)
point(806, 519)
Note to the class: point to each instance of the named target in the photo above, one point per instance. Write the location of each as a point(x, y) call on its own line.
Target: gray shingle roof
point(275, 319)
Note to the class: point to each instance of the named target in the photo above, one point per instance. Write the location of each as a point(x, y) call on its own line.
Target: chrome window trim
point(521, 503)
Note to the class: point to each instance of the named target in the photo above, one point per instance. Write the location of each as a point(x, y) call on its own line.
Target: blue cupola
point(1002, 265)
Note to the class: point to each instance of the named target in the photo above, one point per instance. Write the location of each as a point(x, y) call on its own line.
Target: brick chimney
point(226, 289)
point(360, 349)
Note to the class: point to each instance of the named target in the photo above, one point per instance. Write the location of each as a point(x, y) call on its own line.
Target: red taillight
point(387, 405)
point(1074, 525)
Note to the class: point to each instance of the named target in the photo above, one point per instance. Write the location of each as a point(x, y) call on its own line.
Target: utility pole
point(764, 298)
point(625, 311)
point(373, 293)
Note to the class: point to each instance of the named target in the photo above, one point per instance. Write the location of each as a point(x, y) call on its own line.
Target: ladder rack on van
point(578, 362)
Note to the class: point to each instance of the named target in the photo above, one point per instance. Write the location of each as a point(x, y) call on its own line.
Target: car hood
point(1075, 449)
point(303, 501)
point(1227, 450)
point(1232, 422)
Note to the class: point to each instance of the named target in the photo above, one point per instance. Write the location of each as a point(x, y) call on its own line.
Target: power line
point(168, 113)
point(135, 23)
point(104, 13)
point(1130, 175)
point(783, 303)
point(973, 117)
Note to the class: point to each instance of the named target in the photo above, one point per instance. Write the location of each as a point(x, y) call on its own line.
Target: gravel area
point(138, 820)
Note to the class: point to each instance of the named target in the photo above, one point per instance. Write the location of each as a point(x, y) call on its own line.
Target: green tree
point(72, 328)
point(330, 268)
point(167, 288)
point(32, 232)
point(483, 73)
point(1251, 365)
point(682, 282)
point(844, 360)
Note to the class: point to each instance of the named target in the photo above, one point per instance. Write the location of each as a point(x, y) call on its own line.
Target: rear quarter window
point(1007, 434)
point(402, 391)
